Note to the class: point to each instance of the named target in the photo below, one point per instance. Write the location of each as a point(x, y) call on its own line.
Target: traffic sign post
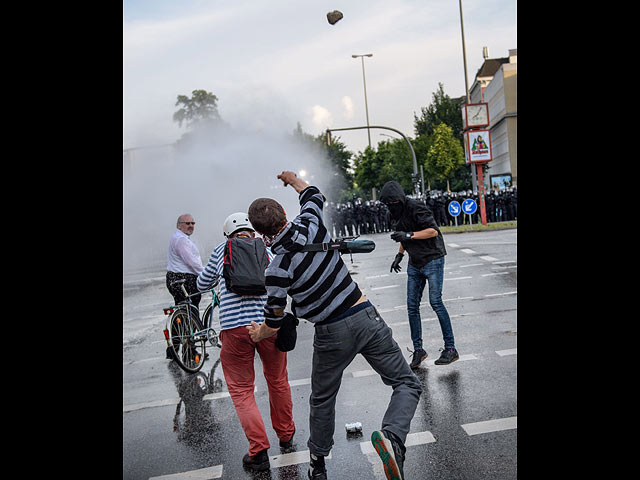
point(469, 206)
point(454, 210)
point(477, 144)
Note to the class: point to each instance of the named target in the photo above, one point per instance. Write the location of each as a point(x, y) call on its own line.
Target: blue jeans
point(416, 280)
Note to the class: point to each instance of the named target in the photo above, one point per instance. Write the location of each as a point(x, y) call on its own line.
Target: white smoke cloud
point(321, 117)
point(347, 103)
point(221, 176)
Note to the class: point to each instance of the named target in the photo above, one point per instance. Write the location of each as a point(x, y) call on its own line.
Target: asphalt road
point(183, 426)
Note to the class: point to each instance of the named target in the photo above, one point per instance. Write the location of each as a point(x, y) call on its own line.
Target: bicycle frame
point(207, 332)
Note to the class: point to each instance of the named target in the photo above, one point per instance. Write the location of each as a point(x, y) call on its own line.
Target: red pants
point(237, 356)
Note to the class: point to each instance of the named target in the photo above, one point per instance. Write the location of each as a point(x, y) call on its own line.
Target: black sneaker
point(417, 357)
point(391, 452)
point(259, 462)
point(317, 470)
point(447, 356)
point(287, 447)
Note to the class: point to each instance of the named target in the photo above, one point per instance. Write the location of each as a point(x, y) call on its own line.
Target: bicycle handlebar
point(181, 282)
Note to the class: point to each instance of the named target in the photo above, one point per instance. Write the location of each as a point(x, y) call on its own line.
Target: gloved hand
point(396, 263)
point(399, 236)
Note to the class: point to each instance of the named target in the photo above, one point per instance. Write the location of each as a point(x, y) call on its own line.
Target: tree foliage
point(445, 154)
point(201, 108)
point(437, 145)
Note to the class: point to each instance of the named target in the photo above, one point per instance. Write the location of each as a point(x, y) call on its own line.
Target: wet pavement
point(178, 425)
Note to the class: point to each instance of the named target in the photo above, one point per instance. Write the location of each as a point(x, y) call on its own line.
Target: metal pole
point(366, 105)
point(464, 55)
point(413, 153)
point(466, 86)
point(364, 82)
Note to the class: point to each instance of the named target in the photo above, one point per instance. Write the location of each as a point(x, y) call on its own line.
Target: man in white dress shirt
point(183, 262)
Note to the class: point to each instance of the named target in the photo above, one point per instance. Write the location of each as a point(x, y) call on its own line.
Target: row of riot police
point(500, 206)
point(358, 218)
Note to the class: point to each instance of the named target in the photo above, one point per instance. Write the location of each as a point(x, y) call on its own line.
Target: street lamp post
point(483, 214)
point(414, 177)
point(364, 81)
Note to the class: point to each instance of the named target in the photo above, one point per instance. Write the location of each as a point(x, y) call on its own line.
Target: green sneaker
point(390, 452)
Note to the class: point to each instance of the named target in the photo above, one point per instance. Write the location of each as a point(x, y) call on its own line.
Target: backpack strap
point(227, 254)
point(324, 247)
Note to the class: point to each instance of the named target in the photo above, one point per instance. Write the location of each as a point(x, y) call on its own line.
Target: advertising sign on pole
point(477, 146)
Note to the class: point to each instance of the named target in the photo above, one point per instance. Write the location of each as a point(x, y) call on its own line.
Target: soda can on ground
point(355, 427)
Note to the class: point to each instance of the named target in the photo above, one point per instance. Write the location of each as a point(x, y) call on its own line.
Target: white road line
point(418, 438)
point(467, 250)
point(496, 273)
point(363, 373)
point(471, 265)
point(293, 458)
point(157, 403)
point(504, 261)
point(496, 425)
point(201, 474)
point(488, 258)
point(457, 298)
point(431, 362)
point(454, 245)
point(216, 395)
point(456, 278)
point(500, 294)
point(307, 381)
point(377, 276)
point(302, 381)
point(173, 401)
point(382, 288)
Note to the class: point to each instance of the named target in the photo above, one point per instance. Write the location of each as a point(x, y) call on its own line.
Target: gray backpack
point(244, 263)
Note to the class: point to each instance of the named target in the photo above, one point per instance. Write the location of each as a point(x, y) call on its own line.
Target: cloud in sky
point(347, 103)
point(321, 117)
point(277, 63)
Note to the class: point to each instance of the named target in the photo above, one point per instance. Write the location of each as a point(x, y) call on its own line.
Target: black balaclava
point(393, 196)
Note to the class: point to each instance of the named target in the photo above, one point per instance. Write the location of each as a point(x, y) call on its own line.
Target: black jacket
point(415, 216)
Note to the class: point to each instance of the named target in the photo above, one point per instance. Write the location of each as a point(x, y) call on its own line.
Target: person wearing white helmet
point(238, 352)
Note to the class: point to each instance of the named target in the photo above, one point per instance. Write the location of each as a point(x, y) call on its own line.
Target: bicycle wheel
point(188, 352)
point(207, 321)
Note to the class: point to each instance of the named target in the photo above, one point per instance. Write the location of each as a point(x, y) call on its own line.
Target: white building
point(496, 83)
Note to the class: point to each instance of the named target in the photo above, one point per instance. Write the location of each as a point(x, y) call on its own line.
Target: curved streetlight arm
point(413, 153)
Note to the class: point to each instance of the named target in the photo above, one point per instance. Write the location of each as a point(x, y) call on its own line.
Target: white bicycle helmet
point(236, 221)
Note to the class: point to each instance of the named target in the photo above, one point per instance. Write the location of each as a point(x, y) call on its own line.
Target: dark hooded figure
point(418, 234)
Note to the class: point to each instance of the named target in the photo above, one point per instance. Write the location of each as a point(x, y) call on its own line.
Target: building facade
point(496, 83)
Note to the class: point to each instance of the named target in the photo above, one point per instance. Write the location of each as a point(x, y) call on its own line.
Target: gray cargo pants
point(334, 347)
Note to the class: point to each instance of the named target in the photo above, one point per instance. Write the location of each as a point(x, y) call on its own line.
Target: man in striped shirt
point(346, 324)
point(238, 352)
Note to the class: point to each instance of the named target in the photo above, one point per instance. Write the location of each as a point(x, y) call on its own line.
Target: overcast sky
point(273, 63)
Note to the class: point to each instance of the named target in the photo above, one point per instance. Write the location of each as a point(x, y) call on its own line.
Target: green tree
point(367, 169)
point(442, 110)
point(201, 108)
point(445, 154)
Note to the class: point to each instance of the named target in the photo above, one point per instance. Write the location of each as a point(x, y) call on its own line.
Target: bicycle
point(184, 333)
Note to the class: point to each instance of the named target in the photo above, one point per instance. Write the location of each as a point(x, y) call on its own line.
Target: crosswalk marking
point(304, 381)
point(200, 474)
point(293, 458)
point(488, 426)
point(296, 458)
point(418, 438)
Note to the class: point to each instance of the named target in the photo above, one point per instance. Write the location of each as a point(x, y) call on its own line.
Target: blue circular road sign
point(454, 208)
point(469, 206)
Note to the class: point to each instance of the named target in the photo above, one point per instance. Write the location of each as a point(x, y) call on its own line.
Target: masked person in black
point(418, 234)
